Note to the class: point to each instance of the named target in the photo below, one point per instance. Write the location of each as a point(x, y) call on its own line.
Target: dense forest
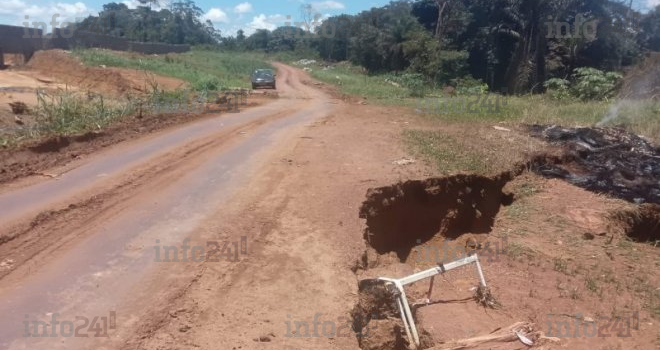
point(509, 44)
point(512, 45)
point(180, 24)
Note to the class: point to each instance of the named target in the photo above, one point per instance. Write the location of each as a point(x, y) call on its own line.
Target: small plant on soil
point(561, 265)
point(484, 297)
point(516, 251)
point(592, 285)
point(573, 293)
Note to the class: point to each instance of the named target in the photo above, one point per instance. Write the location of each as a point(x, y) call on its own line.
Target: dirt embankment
point(61, 67)
point(417, 224)
point(36, 158)
point(53, 70)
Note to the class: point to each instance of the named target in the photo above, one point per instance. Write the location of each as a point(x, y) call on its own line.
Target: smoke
point(612, 114)
point(642, 82)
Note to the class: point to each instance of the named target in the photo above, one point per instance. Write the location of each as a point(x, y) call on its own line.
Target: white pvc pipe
point(402, 300)
point(405, 321)
point(409, 314)
point(482, 279)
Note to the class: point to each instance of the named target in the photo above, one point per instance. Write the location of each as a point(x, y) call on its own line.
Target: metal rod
point(428, 296)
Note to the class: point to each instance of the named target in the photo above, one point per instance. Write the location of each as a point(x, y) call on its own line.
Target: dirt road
point(272, 197)
point(93, 247)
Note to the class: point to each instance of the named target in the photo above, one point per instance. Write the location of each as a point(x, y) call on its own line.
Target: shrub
point(558, 88)
point(208, 83)
point(594, 84)
point(469, 86)
point(66, 113)
point(414, 82)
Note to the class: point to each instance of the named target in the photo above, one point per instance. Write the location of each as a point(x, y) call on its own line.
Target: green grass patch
point(446, 152)
point(352, 80)
point(203, 69)
point(639, 116)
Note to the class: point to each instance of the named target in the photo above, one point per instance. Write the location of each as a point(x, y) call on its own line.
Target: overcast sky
point(228, 16)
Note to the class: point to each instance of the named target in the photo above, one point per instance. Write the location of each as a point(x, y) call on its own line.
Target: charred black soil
point(611, 161)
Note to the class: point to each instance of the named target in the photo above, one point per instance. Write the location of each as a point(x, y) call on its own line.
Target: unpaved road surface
point(273, 197)
point(93, 248)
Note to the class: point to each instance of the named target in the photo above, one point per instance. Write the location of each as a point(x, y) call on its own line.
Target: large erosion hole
point(401, 216)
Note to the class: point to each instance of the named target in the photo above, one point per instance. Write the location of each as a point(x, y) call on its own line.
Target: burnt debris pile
point(604, 160)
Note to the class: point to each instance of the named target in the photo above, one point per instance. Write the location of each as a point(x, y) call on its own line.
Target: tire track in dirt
point(102, 241)
point(301, 219)
point(29, 240)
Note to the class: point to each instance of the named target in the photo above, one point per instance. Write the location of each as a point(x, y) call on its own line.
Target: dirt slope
point(53, 70)
point(60, 66)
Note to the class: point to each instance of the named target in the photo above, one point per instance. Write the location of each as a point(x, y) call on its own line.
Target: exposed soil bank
point(401, 216)
point(641, 224)
point(376, 318)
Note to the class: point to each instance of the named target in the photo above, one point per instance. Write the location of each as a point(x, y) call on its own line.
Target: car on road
point(263, 77)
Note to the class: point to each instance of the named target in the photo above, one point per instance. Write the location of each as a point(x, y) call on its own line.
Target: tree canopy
point(180, 24)
point(515, 45)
